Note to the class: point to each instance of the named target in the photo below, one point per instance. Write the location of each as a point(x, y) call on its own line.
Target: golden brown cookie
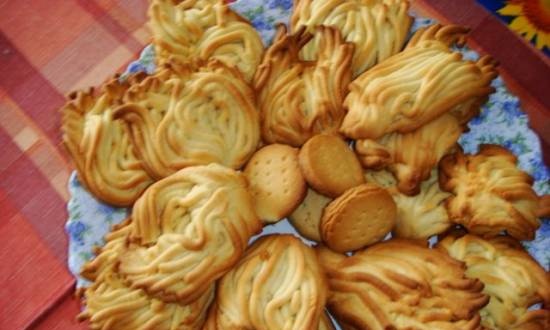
point(544, 206)
point(307, 217)
point(417, 85)
point(378, 28)
point(204, 29)
point(187, 231)
point(278, 284)
point(329, 165)
point(211, 118)
point(399, 284)
point(411, 156)
point(111, 303)
point(326, 323)
point(100, 146)
point(363, 215)
point(420, 216)
point(299, 99)
point(513, 279)
point(490, 193)
point(275, 181)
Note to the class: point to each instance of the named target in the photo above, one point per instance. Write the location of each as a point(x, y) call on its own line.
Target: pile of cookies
point(342, 125)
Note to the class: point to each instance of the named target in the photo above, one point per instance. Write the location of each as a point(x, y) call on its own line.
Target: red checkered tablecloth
point(47, 49)
point(51, 47)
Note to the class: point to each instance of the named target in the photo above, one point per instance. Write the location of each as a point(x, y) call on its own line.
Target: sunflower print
point(531, 20)
point(528, 18)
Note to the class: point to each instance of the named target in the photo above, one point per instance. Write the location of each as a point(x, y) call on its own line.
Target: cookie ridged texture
point(187, 231)
point(420, 216)
point(416, 86)
point(411, 156)
point(275, 181)
point(490, 193)
point(512, 279)
point(211, 118)
point(146, 105)
point(100, 145)
point(278, 284)
point(377, 28)
point(111, 303)
point(205, 29)
point(399, 284)
point(299, 99)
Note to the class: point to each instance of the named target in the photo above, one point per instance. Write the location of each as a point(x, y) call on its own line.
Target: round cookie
point(329, 165)
point(363, 215)
point(275, 181)
point(307, 217)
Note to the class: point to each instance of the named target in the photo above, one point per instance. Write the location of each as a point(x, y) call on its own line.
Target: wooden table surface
point(51, 47)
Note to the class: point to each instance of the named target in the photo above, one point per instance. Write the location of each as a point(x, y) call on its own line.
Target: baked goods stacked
point(343, 125)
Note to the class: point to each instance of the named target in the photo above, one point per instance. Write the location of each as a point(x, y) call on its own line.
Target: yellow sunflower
point(532, 19)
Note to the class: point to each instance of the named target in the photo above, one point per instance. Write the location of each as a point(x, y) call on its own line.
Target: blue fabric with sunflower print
point(528, 18)
point(501, 121)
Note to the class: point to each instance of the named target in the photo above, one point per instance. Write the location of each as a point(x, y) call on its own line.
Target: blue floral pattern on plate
point(501, 121)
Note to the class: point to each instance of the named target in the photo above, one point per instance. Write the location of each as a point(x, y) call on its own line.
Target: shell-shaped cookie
point(211, 118)
point(151, 99)
point(411, 156)
point(107, 257)
point(416, 86)
point(187, 231)
point(513, 280)
point(278, 284)
point(205, 29)
point(420, 216)
point(490, 193)
point(399, 284)
point(299, 99)
point(110, 303)
point(100, 146)
point(377, 28)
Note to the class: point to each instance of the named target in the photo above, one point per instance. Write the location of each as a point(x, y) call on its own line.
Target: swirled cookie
point(278, 284)
point(299, 99)
point(100, 146)
point(111, 304)
point(420, 216)
point(399, 284)
point(377, 28)
point(514, 281)
point(205, 29)
point(490, 193)
point(416, 86)
point(211, 118)
point(411, 156)
point(187, 231)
